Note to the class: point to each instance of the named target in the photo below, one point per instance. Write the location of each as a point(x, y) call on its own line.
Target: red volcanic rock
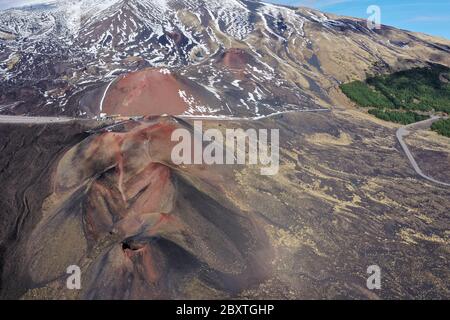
point(235, 59)
point(134, 221)
point(149, 92)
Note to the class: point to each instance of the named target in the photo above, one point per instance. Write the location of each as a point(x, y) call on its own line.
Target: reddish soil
point(148, 92)
point(235, 59)
point(140, 226)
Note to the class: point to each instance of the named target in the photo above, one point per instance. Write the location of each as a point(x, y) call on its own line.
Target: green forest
point(402, 96)
point(442, 127)
point(397, 116)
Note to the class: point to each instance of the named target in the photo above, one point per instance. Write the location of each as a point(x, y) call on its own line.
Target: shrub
point(364, 96)
point(398, 116)
point(423, 89)
point(442, 127)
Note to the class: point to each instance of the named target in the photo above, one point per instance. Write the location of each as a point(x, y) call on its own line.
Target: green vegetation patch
point(442, 127)
point(397, 97)
point(360, 93)
point(423, 89)
point(398, 116)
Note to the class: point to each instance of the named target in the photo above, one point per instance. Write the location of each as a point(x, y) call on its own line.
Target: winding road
point(402, 132)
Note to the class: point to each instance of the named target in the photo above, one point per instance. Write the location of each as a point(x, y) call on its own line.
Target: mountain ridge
point(106, 195)
point(63, 61)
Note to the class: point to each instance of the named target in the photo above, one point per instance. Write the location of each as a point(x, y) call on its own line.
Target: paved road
point(226, 118)
point(46, 120)
point(213, 118)
point(402, 132)
point(25, 120)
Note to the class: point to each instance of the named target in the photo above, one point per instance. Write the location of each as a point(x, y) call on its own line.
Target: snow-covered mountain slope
point(248, 57)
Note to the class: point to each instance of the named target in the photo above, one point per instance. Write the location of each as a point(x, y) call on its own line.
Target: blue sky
point(432, 16)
